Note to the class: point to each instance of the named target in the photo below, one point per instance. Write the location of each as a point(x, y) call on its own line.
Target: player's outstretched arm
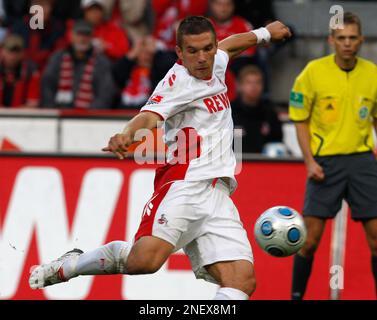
point(120, 143)
point(235, 44)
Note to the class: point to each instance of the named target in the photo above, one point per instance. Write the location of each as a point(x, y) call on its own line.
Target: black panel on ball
point(276, 252)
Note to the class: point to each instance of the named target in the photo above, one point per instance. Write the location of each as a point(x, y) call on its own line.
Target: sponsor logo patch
point(330, 107)
point(296, 99)
point(363, 112)
point(155, 100)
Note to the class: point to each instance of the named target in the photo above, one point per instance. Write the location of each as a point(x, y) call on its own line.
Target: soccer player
point(333, 105)
point(190, 207)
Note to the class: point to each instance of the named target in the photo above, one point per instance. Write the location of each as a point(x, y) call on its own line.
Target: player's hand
point(315, 171)
point(278, 31)
point(119, 144)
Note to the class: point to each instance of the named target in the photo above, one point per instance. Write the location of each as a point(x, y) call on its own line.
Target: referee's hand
point(315, 171)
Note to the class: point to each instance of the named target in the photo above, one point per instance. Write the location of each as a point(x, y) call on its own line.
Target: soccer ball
point(280, 231)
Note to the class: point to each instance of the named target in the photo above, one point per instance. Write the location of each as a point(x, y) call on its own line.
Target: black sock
point(374, 270)
point(302, 268)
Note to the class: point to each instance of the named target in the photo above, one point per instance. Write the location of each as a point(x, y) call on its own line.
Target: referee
point(333, 104)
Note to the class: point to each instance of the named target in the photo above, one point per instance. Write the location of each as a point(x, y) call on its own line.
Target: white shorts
point(201, 218)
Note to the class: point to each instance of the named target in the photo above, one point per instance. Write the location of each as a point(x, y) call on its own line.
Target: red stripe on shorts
point(187, 150)
point(149, 212)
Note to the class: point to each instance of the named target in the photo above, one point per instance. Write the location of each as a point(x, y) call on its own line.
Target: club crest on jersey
point(155, 99)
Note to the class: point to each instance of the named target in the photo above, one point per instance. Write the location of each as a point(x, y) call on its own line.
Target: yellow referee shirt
point(339, 105)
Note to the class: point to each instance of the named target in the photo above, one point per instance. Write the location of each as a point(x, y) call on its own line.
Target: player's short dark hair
point(194, 25)
point(350, 18)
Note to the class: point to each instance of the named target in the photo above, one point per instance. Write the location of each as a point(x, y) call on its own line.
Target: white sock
point(230, 294)
point(108, 259)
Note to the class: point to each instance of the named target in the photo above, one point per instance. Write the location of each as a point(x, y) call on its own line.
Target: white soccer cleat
point(51, 273)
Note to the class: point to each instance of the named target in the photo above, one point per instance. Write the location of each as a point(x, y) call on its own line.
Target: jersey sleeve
point(374, 110)
point(221, 63)
point(301, 97)
point(171, 96)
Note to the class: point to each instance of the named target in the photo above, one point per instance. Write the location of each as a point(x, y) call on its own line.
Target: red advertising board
point(48, 204)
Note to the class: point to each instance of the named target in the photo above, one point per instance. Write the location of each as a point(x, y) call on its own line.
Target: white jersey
point(198, 125)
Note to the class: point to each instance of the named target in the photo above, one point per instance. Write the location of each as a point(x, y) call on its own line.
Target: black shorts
point(351, 177)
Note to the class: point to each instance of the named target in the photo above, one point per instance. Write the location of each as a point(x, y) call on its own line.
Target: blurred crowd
point(110, 54)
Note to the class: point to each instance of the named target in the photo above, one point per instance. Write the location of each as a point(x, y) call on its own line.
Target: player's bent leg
point(108, 259)
point(303, 261)
point(147, 255)
point(370, 227)
point(236, 279)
